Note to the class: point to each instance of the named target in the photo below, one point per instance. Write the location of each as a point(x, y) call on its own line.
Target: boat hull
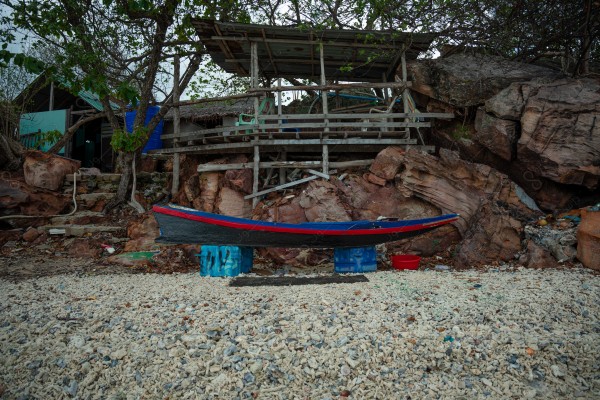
point(179, 227)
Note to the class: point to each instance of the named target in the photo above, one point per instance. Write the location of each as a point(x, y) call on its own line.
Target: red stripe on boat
point(327, 232)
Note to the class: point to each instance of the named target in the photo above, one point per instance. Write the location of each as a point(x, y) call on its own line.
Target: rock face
point(464, 80)
point(498, 135)
point(550, 129)
point(142, 233)
point(321, 202)
point(232, 203)
point(560, 134)
point(490, 208)
point(588, 239)
point(17, 197)
point(47, 171)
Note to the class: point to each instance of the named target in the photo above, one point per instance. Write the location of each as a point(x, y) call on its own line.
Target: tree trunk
point(123, 189)
point(11, 153)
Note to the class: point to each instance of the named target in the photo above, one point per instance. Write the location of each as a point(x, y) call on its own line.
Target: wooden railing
point(348, 122)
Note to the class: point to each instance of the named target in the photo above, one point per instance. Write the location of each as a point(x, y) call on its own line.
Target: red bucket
point(405, 261)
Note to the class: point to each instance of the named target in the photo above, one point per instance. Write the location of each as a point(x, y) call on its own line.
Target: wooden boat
point(179, 225)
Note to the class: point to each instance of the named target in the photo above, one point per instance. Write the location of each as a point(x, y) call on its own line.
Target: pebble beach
point(493, 334)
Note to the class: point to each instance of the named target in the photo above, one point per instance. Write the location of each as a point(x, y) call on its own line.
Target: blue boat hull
point(179, 225)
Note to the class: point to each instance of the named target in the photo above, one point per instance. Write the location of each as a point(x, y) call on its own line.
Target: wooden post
point(282, 177)
point(325, 111)
point(176, 124)
point(254, 85)
point(254, 76)
point(256, 170)
point(405, 92)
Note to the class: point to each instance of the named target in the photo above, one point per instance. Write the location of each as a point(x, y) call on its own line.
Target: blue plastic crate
point(355, 259)
point(225, 260)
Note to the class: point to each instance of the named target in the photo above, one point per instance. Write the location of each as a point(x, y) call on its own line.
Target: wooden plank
point(359, 125)
point(285, 142)
point(302, 61)
point(282, 165)
point(280, 187)
point(200, 134)
point(285, 186)
point(355, 116)
point(318, 173)
point(338, 86)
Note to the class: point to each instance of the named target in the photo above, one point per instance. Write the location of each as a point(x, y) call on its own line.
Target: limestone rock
point(498, 135)
point(387, 163)
point(47, 171)
point(209, 188)
point(31, 234)
point(142, 234)
point(538, 257)
point(321, 203)
point(191, 187)
point(428, 244)
point(375, 179)
point(490, 209)
point(17, 197)
point(232, 203)
point(510, 102)
point(560, 135)
point(84, 248)
point(464, 80)
point(588, 239)
point(240, 180)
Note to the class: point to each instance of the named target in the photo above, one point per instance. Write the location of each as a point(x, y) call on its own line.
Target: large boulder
point(498, 135)
point(464, 80)
point(142, 234)
point(17, 197)
point(560, 134)
point(47, 171)
point(321, 202)
point(210, 183)
point(490, 205)
point(588, 239)
point(232, 203)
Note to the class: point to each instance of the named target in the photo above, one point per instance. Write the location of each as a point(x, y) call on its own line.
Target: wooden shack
point(336, 62)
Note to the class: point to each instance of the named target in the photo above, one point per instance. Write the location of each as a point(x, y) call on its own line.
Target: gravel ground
point(494, 334)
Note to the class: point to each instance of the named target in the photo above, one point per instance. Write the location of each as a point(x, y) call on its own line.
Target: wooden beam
point(303, 42)
point(317, 173)
point(302, 61)
point(337, 86)
point(285, 142)
point(282, 165)
point(280, 187)
point(224, 46)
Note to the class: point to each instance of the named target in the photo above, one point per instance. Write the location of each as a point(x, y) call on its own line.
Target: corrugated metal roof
point(93, 100)
point(284, 52)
